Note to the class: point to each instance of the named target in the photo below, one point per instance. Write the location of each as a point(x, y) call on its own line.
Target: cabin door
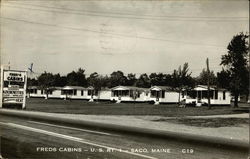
point(199, 96)
point(157, 95)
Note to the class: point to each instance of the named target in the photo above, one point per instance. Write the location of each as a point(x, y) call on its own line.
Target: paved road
point(26, 139)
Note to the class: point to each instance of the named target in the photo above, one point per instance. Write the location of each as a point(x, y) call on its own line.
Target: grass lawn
point(209, 122)
point(108, 108)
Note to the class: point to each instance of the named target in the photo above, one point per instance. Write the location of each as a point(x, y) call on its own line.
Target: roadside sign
point(13, 87)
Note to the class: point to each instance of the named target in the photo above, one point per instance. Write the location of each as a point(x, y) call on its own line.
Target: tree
point(77, 78)
point(117, 78)
point(236, 62)
point(32, 82)
point(160, 79)
point(182, 78)
point(223, 79)
point(143, 81)
point(45, 81)
point(94, 80)
point(60, 81)
point(168, 80)
point(131, 79)
point(203, 77)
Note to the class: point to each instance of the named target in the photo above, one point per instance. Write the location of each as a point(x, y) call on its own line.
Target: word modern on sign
point(12, 93)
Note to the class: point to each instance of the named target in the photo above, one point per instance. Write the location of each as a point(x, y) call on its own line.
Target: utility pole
point(1, 86)
point(208, 84)
point(9, 65)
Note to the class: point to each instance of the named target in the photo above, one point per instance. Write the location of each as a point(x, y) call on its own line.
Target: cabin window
point(41, 91)
point(123, 93)
point(163, 94)
point(182, 94)
point(34, 91)
point(216, 94)
point(116, 93)
point(89, 92)
point(224, 95)
point(81, 92)
point(138, 94)
point(211, 94)
point(153, 93)
point(74, 91)
point(192, 94)
point(49, 91)
point(131, 94)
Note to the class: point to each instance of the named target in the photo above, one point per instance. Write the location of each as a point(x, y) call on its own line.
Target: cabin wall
point(170, 97)
point(220, 100)
point(144, 97)
point(122, 98)
point(105, 95)
point(38, 94)
point(55, 94)
point(78, 95)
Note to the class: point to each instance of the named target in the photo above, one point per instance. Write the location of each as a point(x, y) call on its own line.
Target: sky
point(132, 36)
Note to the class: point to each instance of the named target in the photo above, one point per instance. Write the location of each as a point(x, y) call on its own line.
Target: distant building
point(163, 94)
point(38, 92)
point(34, 91)
point(73, 92)
point(129, 94)
point(199, 96)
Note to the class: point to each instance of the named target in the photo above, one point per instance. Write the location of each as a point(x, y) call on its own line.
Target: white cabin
point(163, 94)
point(199, 96)
point(129, 94)
point(34, 91)
point(73, 92)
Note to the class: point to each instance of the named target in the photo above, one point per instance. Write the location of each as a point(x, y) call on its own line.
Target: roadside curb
point(170, 135)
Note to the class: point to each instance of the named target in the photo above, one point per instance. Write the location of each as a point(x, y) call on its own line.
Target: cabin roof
point(73, 87)
point(56, 88)
point(166, 88)
point(204, 87)
point(129, 88)
point(33, 87)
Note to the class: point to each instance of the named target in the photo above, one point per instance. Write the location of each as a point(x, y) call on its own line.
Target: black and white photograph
point(124, 79)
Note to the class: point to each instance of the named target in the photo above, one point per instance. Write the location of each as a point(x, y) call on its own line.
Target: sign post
point(1, 87)
point(25, 89)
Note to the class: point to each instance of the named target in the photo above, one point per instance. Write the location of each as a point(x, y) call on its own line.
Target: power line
point(169, 18)
point(126, 14)
point(108, 33)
